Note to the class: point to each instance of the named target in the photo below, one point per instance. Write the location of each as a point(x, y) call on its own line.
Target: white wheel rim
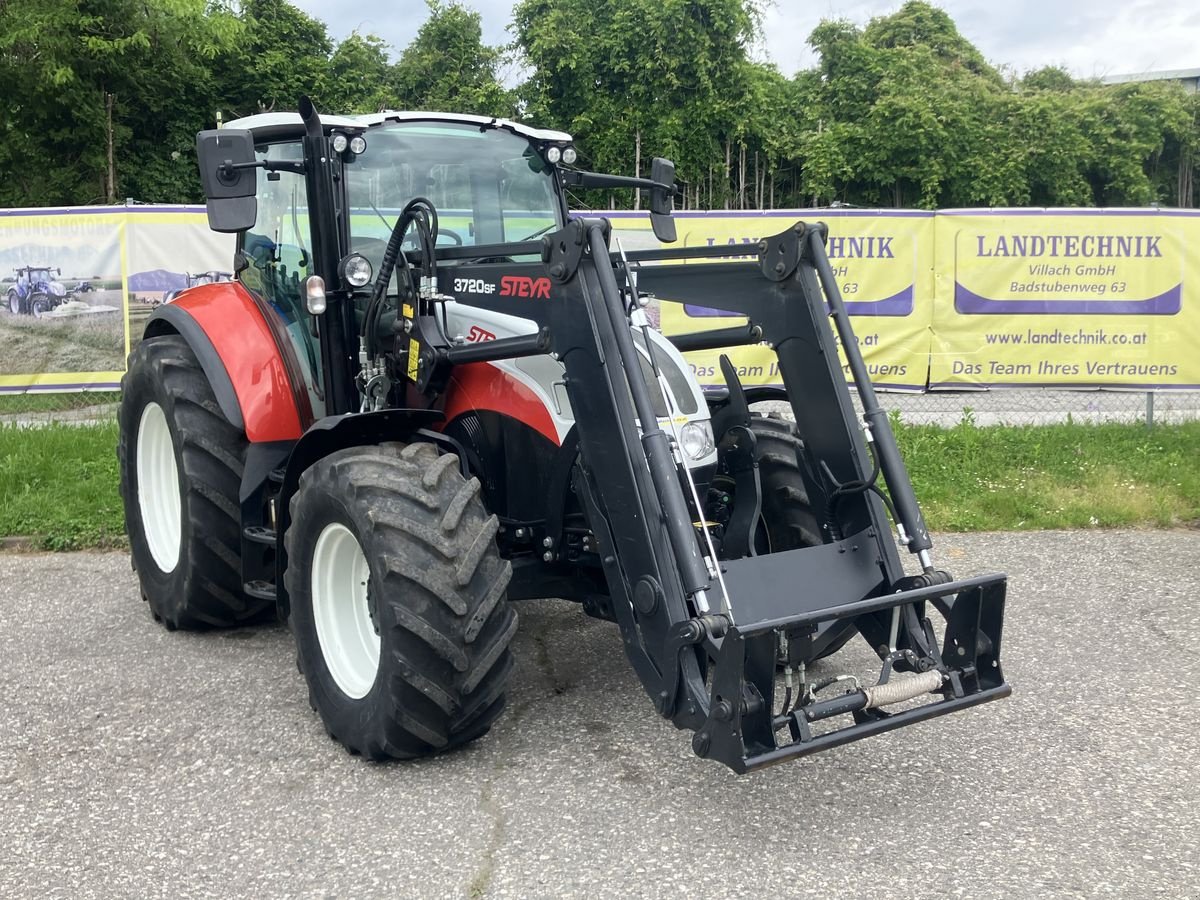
point(158, 488)
point(341, 610)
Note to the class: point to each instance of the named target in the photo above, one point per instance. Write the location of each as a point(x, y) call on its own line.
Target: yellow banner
point(883, 261)
point(1104, 298)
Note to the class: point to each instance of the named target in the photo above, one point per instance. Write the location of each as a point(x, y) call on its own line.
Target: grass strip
point(1071, 475)
point(58, 483)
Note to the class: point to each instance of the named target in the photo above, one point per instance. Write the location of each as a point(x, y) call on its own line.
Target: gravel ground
point(134, 762)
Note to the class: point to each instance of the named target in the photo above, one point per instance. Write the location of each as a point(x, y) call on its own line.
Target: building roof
point(1162, 75)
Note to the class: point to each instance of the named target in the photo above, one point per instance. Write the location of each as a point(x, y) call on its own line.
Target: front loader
point(431, 390)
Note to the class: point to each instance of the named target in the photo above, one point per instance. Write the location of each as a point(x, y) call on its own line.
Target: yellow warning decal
point(407, 311)
point(414, 353)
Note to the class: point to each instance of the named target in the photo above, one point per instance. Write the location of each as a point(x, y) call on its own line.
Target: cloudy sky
point(1088, 37)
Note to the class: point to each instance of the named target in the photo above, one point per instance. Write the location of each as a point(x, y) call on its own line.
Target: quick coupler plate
point(748, 727)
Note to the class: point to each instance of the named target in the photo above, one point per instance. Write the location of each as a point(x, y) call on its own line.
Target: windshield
point(488, 185)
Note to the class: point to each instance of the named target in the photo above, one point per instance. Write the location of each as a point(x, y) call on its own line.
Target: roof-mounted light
point(569, 156)
point(553, 155)
point(340, 143)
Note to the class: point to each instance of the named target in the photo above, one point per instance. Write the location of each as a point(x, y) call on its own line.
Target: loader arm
point(706, 637)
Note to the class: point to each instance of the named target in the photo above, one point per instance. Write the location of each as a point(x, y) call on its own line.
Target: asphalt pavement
point(139, 763)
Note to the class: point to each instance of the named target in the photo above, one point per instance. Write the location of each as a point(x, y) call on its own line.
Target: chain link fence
point(1002, 406)
point(1042, 406)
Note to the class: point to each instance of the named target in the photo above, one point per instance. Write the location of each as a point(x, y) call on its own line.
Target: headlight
point(553, 155)
point(358, 145)
point(697, 439)
point(340, 143)
point(569, 156)
point(356, 270)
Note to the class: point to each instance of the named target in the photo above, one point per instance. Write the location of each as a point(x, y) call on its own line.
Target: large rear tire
point(181, 466)
point(398, 603)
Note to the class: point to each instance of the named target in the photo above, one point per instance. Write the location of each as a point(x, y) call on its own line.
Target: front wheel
point(398, 602)
point(39, 305)
point(14, 303)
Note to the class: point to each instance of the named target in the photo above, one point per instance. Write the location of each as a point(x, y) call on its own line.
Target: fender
point(481, 385)
point(333, 433)
point(230, 334)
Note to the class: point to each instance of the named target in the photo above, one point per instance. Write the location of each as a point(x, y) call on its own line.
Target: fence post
point(1149, 409)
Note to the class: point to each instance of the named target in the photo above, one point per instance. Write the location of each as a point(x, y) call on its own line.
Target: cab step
point(263, 590)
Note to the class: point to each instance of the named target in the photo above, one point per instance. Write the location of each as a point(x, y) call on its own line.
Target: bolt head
point(548, 556)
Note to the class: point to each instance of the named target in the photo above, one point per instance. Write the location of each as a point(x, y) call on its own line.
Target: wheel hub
point(342, 611)
point(158, 488)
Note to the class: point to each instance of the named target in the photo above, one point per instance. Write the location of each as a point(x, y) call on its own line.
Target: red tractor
point(431, 390)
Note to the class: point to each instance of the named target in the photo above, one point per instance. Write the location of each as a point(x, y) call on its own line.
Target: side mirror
point(662, 200)
point(227, 172)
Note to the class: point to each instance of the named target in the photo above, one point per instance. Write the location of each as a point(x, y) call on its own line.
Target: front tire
point(398, 603)
point(14, 303)
point(181, 466)
point(788, 521)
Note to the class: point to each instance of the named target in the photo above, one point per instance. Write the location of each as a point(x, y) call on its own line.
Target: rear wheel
point(398, 603)
point(181, 466)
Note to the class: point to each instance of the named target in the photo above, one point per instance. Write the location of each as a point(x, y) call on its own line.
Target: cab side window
point(278, 260)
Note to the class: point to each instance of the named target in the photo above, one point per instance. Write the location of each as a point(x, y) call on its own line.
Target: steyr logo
point(477, 334)
point(522, 286)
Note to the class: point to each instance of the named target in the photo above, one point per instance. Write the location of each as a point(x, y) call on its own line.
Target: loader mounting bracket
point(779, 255)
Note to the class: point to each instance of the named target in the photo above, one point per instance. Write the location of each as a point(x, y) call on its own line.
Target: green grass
point(1054, 476)
point(16, 404)
point(58, 484)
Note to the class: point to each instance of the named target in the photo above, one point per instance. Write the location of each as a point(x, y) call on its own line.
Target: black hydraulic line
point(887, 453)
point(737, 336)
point(655, 443)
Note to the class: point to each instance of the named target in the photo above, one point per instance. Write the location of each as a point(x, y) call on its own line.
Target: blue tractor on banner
point(35, 292)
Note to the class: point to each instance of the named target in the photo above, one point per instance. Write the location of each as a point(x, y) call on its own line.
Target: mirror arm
point(227, 169)
point(579, 178)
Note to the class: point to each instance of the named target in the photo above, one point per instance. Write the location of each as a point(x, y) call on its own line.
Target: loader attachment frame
point(707, 637)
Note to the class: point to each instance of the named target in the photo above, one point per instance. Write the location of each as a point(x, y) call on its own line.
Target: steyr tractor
point(35, 292)
point(432, 390)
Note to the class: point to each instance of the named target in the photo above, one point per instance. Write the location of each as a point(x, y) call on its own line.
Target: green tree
point(97, 94)
point(635, 78)
point(358, 76)
point(282, 54)
point(448, 67)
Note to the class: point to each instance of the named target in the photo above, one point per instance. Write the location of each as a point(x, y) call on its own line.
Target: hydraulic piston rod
point(895, 474)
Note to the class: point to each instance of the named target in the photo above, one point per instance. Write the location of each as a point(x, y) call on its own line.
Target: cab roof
point(283, 125)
